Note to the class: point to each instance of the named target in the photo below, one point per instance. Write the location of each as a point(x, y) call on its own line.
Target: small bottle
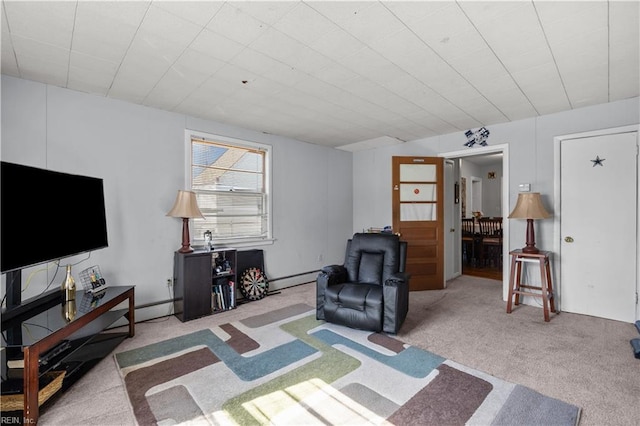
point(69, 286)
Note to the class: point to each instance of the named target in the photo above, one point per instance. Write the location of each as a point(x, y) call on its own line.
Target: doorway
point(454, 250)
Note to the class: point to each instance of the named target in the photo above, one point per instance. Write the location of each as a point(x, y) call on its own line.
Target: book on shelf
point(15, 363)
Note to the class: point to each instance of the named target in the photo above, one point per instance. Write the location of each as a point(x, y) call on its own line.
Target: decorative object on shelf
point(253, 284)
point(185, 207)
point(208, 240)
point(477, 214)
point(69, 310)
point(50, 383)
point(479, 137)
point(92, 279)
point(69, 286)
point(598, 161)
point(529, 206)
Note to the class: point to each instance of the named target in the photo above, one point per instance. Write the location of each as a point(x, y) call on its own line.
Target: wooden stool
point(516, 286)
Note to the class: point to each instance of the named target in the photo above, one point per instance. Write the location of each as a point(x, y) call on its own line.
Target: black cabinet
point(204, 283)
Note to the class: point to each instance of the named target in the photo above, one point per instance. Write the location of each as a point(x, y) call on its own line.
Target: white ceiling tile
point(442, 24)
point(255, 61)
point(266, 11)
point(236, 25)
point(46, 53)
point(411, 12)
point(304, 24)
point(36, 70)
point(307, 60)
point(337, 44)
point(9, 64)
point(277, 45)
point(194, 65)
point(45, 21)
point(371, 23)
point(92, 64)
point(112, 48)
point(126, 13)
point(335, 74)
point(571, 19)
point(339, 11)
point(131, 86)
point(146, 46)
point(215, 45)
point(165, 25)
point(197, 12)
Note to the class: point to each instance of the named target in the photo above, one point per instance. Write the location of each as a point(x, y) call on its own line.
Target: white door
point(598, 232)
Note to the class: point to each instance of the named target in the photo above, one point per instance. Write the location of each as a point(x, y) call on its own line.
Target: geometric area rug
point(287, 368)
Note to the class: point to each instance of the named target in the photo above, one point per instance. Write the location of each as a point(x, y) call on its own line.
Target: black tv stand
point(56, 344)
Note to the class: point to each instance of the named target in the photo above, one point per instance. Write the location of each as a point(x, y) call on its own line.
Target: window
point(231, 182)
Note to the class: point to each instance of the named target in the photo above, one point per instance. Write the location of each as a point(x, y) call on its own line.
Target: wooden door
point(598, 226)
point(418, 216)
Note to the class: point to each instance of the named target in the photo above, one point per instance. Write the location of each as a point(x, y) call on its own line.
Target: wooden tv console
point(61, 337)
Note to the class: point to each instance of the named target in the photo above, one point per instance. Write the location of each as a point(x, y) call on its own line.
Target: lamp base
point(531, 239)
point(186, 245)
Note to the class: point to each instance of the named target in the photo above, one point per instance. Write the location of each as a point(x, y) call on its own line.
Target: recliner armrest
point(398, 276)
point(335, 274)
point(328, 276)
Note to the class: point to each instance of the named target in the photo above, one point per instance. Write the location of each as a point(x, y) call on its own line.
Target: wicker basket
point(16, 402)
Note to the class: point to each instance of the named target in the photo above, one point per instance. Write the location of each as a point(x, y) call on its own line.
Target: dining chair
point(469, 241)
point(491, 241)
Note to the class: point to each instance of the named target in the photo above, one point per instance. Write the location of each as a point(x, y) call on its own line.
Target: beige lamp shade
point(529, 206)
point(186, 206)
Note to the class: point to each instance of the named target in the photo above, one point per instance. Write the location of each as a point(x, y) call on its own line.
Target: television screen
point(47, 215)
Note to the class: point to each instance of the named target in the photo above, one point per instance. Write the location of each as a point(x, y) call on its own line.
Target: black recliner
point(371, 290)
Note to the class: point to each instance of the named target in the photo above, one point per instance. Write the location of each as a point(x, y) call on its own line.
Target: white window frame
point(198, 240)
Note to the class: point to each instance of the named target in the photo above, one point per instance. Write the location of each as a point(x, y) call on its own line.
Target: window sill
point(237, 244)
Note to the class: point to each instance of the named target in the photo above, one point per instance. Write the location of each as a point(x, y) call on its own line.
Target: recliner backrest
point(372, 258)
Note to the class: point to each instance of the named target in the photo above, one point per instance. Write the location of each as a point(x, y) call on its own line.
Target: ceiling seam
point(608, 51)
point(555, 62)
point(115, 74)
point(73, 31)
point(501, 63)
point(202, 29)
point(443, 60)
point(13, 49)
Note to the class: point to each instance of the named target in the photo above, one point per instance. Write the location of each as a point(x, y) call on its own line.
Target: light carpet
point(285, 367)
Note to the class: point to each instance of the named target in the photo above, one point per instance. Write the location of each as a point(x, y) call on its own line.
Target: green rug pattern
point(286, 367)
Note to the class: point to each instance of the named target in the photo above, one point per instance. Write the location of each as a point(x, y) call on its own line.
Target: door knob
point(452, 230)
point(568, 239)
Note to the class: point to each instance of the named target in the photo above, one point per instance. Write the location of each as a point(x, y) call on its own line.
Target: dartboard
point(253, 284)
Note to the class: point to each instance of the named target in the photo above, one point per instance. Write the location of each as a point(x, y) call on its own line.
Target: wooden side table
point(517, 288)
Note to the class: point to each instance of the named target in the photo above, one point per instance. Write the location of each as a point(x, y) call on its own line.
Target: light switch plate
point(524, 187)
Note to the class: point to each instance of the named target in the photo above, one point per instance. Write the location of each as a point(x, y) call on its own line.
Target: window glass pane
point(418, 173)
point(413, 212)
point(417, 192)
point(229, 182)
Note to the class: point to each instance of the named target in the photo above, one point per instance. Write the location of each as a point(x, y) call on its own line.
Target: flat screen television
point(47, 215)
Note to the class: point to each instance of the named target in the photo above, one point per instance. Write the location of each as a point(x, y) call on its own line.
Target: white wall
point(139, 152)
point(531, 161)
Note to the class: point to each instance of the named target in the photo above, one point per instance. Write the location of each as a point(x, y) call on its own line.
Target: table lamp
point(529, 206)
point(185, 207)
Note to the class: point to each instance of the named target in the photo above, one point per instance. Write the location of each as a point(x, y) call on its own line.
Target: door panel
point(418, 206)
point(598, 226)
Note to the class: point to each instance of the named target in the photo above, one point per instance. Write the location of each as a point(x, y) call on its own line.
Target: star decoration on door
point(598, 161)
